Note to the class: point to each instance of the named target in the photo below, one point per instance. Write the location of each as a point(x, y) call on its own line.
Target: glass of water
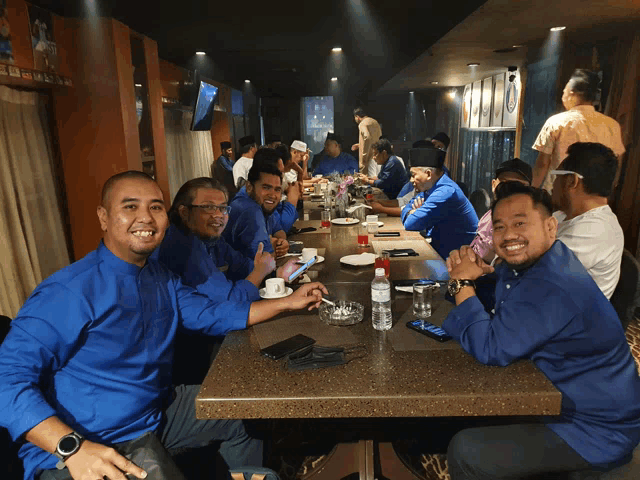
point(422, 300)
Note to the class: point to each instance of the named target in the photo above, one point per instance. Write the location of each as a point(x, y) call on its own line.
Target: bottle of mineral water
point(381, 301)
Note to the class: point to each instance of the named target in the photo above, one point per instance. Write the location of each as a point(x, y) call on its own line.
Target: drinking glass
point(422, 299)
point(325, 218)
point(384, 261)
point(363, 236)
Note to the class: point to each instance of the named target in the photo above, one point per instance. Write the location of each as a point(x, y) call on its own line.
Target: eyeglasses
point(565, 172)
point(211, 208)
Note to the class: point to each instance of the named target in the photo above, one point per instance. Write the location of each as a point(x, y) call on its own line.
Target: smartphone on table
point(302, 269)
point(429, 329)
point(285, 347)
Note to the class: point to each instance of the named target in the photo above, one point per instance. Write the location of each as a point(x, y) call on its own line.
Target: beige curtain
point(189, 154)
point(32, 238)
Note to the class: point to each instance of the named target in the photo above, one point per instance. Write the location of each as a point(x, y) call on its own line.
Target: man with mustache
point(548, 310)
point(87, 362)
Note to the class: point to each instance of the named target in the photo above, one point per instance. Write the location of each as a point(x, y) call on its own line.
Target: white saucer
point(343, 221)
point(263, 293)
point(359, 260)
point(320, 259)
point(380, 224)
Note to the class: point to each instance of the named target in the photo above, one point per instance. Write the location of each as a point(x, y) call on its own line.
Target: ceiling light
point(247, 81)
point(473, 64)
point(138, 84)
point(334, 79)
point(452, 94)
point(411, 92)
point(336, 49)
point(434, 83)
point(200, 53)
point(517, 46)
point(557, 29)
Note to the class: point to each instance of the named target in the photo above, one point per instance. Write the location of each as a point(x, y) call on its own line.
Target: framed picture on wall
point(511, 100)
point(498, 100)
point(487, 100)
point(476, 105)
point(466, 106)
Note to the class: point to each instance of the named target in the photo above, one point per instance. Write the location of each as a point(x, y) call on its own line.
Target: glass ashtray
point(343, 314)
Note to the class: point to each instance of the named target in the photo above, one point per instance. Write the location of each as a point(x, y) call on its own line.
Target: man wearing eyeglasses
point(586, 223)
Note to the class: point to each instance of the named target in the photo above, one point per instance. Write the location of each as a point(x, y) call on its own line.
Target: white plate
point(287, 292)
point(359, 260)
point(380, 224)
point(320, 259)
point(343, 221)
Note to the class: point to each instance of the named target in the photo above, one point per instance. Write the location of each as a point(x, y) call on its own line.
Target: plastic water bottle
point(381, 301)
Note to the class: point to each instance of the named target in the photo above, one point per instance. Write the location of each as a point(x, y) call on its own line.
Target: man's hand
point(308, 295)
point(417, 203)
point(287, 269)
point(94, 461)
point(465, 264)
point(376, 207)
point(281, 247)
point(293, 193)
point(355, 147)
point(263, 262)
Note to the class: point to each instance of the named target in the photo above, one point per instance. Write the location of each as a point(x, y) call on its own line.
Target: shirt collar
point(116, 263)
point(543, 263)
point(584, 107)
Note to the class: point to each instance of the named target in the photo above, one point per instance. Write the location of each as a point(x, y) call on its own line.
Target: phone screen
point(429, 329)
point(302, 269)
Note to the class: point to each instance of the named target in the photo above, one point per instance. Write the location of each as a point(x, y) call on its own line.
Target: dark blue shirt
point(446, 215)
point(225, 162)
point(554, 314)
point(392, 177)
point(93, 345)
point(283, 217)
point(214, 268)
point(408, 187)
point(343, 163)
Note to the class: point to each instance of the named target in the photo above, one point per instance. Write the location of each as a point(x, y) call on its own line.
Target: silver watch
point(67, 446)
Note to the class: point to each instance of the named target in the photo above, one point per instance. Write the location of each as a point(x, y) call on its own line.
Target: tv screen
point(203, 110)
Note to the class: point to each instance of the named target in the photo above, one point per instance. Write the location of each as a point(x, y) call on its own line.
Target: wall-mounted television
point(203, 110)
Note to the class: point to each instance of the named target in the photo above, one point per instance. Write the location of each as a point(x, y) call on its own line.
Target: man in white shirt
point(586, 224)
point(248, 148)
point(580, 123)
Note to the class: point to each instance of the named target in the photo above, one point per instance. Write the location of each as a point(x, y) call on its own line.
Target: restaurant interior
point(90, 88)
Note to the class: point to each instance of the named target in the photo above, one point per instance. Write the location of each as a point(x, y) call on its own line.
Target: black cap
point(273, 138)
point(426, 157)
point(422, 144)
point(443, 137)
point(335, 137)
point(515, 165)
point(248, 140)
point(225, 145)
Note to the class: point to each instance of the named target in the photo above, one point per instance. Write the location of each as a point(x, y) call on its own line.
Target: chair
point(481, 201)
point(465, 189)
point(626, 296)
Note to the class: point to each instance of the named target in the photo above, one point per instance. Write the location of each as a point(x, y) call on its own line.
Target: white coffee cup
point(274, 286)
point(372, 223)
point(309, 253)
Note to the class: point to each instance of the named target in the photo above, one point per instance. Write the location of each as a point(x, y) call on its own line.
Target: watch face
point(68, 445)
point(453, 286)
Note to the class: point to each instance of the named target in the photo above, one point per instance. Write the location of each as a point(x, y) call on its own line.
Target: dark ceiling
point(284, 47)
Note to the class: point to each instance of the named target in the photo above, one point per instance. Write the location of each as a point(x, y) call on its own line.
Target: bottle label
point(381, 295)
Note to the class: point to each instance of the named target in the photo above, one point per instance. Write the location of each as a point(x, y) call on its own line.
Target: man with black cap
point(248, 148)
point(439, 208)
point(441, 140)
point(335, 160)
point(514, 170)
point(273, 141)
point(223, 168)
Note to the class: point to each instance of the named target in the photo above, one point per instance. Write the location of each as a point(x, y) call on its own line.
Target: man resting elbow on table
point(548, 310)
point(393, 176)
point(91, 350)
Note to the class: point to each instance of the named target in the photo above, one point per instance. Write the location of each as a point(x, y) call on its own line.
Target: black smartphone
point(307, 229)
point(302, 269)
point(429, 329)
point(295, 247)
point(285, 347)
point(387, 234)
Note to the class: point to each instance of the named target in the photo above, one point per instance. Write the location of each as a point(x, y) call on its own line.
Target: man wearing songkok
point(335, 160)
point(273, 141)
point(441, 140)
point(547, 310)
point(223, 168)
point(440, 209)
point(587, 225)
point(248, 149)
point(579, 123)
point(87, 362)
point(514, 170)
point(393, 176)
point(369, 132)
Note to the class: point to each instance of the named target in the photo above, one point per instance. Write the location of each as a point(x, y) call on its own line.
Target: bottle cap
point(380, 272)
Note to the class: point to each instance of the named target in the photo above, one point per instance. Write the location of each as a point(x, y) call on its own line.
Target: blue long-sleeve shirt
point(446, 214)
point(343, 163)
point(283, 218)
point(392, 177)
point(226, 163)
point(554, 314)
point(93, 345)
point(248, 226)
point(198, 265)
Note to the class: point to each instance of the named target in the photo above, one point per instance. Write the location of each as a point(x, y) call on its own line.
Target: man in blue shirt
point(439, 208)
point(548, 310)
point(91, 350)
point(335, 160)
point(223, 168)
point(393, 176)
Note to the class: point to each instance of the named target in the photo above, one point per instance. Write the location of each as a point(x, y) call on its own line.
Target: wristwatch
point(67, 446)
point(454, 285)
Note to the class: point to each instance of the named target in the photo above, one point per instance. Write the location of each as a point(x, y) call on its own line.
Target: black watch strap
point(455, 285)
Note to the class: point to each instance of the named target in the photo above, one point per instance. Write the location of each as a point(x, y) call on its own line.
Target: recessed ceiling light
point(247, 81)
point(336, 49)
point(138, 84)
point(517, 46)
point(334, 79)
point(473, 64)
point(200, 53)
point(452, 94)
point(434, 83)
point(557, 29)
point(411, 91)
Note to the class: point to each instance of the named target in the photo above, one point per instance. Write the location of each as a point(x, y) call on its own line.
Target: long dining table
point(402, 373)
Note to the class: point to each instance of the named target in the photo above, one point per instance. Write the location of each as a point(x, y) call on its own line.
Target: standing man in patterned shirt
point(369, 133)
